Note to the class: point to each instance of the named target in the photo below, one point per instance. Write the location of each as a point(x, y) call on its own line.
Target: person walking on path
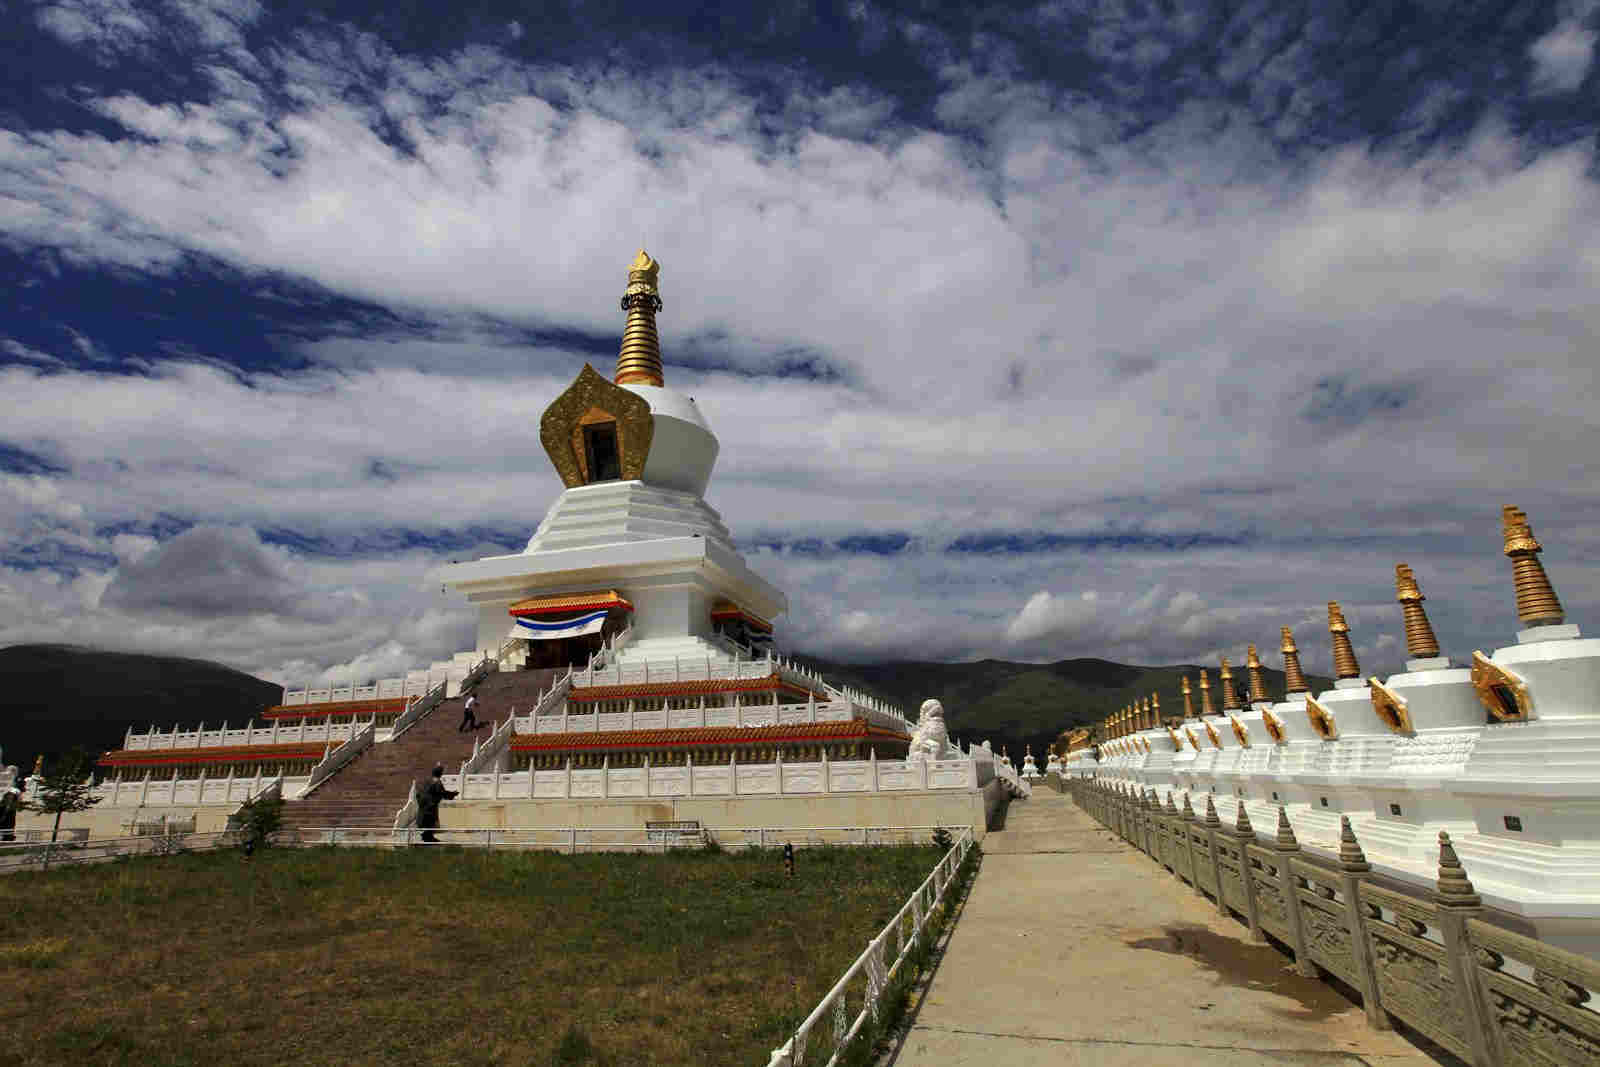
point(428, 799)
point(10, 801)
point(469, 720)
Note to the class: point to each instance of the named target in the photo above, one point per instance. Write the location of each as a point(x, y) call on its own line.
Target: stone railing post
point(1287, 847)
point(1458, 902)
point(1245, 836)
point(1213, 827)
point(1353, 866)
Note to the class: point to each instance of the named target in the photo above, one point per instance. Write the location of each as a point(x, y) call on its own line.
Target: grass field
point(438, 955)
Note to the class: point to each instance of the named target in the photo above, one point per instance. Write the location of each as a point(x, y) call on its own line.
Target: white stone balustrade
point(198, 792)
point(742, 715)
point(721, 779)
point(276, 734)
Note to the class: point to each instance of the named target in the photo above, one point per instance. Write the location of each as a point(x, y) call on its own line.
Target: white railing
point(250, 734)
point(416, 709)
point(193, 792)
point(809, 1042)
point(407, 815)
point(550, 721)
point(383, 689)
point(340, 756)
point(778, 778)
point(631, 839)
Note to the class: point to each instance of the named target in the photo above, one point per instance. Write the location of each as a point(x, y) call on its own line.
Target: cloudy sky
point(1123, 329)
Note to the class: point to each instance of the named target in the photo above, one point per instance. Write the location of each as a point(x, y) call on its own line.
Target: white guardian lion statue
point(931, 739)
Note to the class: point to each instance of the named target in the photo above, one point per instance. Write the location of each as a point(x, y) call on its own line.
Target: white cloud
point(1561, 57)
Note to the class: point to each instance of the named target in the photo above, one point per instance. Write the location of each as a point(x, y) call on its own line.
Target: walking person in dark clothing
point(428, 798)
point(10, 801)
point(469, 720)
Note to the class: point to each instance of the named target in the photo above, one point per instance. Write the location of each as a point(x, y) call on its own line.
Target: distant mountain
point(53, 697)
point(1019, 704)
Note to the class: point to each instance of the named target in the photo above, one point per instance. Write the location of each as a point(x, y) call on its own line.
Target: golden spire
point(639, 362)
point(1145, 721)
point(1230, 698)
point(1188, 701)
point(1155, 710)
point(1258, 680)
point(1537, 604)
point(1420, 642)
point(1344, 656)
point(1293, 680)
point(1205, 694)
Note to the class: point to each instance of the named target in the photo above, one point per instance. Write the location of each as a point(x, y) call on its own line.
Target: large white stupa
point(632, 533)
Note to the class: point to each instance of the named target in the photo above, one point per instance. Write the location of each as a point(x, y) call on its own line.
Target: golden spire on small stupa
point(639, 362)
point(1344, 655)
point(1537, 604)
point(1258, 680)
point(1420, 642)
point(1155, 710)
point(1188, 700)
point(1293, 680)
point(1230, 696)
point(1205, 694)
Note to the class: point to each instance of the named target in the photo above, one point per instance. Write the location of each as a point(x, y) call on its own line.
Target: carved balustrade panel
point(1270, 911)
point(1229, 876)
point(550, 783)
point(1328, 938)
point(1413, 972)
point(1205, 875)
point(1544, 1022)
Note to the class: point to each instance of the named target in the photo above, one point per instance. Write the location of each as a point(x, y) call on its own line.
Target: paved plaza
point(1075, 948)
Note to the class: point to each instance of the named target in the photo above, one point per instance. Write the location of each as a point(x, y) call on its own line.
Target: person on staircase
point(469, 720)
point(428, 798)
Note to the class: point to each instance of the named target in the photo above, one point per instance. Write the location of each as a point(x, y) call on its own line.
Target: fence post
point(1352, 865)
point(1457, 902)
point(1213, 826)
point(1245, 836)
point(1286, 847)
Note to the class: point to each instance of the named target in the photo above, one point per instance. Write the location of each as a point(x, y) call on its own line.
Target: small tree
point(67, 788)
point(258, 818)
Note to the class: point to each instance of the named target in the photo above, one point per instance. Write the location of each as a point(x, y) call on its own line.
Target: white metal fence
point(831, 1027)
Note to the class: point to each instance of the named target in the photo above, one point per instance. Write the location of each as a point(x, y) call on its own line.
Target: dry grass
point(434, 955)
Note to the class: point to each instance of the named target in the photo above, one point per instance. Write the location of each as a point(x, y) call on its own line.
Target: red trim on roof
point(805, 732)
point(124, 757)
point(386, 706)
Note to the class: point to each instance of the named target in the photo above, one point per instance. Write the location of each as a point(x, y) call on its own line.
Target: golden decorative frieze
point(1502, 692)
point(1239, 731)
point(561, 426)
point(1390, 707)
point(1322, 721)
point(1274, 727)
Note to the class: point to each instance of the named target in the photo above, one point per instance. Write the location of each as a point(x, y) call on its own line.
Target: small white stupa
point(1029, 770)
point(1053, 764)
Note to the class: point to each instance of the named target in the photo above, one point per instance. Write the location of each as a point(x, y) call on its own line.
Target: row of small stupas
point(1503, 754)
point(628, 637)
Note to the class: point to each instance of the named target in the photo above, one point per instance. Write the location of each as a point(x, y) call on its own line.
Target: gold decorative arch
point(1321, 719)
point(592, 398)
point(1211, 734)
point(1274, 726)
point(1494, 683)
point(1390, 707)
point(1240, 732)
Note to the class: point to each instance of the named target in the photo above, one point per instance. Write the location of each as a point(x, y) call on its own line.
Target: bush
point(258, 819)
point(942, 838)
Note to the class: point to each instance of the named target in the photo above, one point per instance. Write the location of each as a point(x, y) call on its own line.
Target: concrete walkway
point(1075, 948)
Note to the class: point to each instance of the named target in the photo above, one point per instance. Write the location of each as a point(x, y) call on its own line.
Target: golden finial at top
point(1230, 698)
point(1205, 694)
point(1258, 680)
point(1344, 654)
point(1537, 604)
point(1420, 642)
point(639, 362)
point(1188, 699)
point(1294, 681)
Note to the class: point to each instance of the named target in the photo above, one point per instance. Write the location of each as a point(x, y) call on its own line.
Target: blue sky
point(1132, 330)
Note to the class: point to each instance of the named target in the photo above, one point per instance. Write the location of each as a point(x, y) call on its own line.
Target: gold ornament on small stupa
point(639, 362)
point(1344, 654)
point(1420, 642)
point(1293, 680)
point(1537, 604)
point(1205, 694)
point(1258, 678)
point(1188, 701)
point(1155, 710)
point(1230, 696)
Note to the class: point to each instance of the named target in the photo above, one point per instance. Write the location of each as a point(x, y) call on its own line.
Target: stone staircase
point(368, 791)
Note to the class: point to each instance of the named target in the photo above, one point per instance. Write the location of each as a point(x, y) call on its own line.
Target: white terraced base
point(1534, 792)
point(1408, 805)
point(1265, 783)
point(1317, 795)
